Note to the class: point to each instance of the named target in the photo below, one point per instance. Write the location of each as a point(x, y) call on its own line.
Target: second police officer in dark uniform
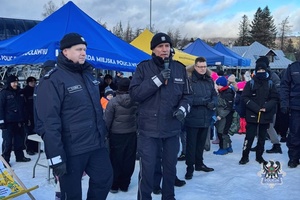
point(161, 87)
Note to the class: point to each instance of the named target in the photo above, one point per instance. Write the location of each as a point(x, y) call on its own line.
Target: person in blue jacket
point(161, 87)
point(69, 118)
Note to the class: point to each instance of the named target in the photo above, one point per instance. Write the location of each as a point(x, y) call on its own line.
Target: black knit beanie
point(261, 65)
point(11, 78)
point(70, 40)
point(264, 59)
point(160, 38)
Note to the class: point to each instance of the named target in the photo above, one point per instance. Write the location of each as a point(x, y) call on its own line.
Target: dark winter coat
point(203, 93)
point(239, 106)
point(68, 114)
point(290, 87)
point(225, 102)
point(158, 101)
point(258, 96)
point(28, 94)
point(12, 105)
point(120, 114)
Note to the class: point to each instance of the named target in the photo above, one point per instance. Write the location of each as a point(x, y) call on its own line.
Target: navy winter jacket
point(204, 93)
point(158, 101)
point(12, 106)
point(290, 87)
point(68, 114)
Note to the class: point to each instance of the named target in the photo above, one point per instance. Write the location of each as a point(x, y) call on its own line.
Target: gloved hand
point(211, 106)
point(60, 169)
point(179, 115)
point(2, 126)
point(284, 110)
point(166, 73)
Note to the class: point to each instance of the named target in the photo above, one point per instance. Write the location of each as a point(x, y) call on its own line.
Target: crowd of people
point(100, 127)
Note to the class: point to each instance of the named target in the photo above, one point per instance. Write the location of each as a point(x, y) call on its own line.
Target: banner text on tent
point(109, 61)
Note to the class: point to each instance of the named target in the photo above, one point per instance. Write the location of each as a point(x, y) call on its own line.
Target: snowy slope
point(229, 180)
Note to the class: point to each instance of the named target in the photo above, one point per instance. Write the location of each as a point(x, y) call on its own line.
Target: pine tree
point(244, 34)
point(263, 29)
point(128, 34)
point(271, 28)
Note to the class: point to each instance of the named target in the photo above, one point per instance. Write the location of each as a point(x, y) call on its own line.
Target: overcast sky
point(193, 18)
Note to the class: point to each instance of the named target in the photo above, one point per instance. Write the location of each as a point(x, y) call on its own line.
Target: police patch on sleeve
point(178, 80)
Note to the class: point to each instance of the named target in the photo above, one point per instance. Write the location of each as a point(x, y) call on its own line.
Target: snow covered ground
point(229, 180)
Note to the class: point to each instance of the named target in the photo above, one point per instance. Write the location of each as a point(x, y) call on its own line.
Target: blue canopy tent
point(213, 57)
point(241, 60)
point(41, 43)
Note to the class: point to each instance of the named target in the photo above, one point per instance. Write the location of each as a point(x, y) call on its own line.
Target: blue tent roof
point(41, 43)
point(200, 48)
point(241, 61)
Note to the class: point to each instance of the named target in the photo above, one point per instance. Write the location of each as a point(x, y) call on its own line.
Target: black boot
point(259, 153)
point(189, 173)
point(275, 149)
point(293, 163)
point(244, 160)
point(179, 183)
point(260, 160)
point(245, 157)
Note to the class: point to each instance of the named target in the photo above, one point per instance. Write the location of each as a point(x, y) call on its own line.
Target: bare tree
point(50, 8)
point(284, 31)
point(104, 24)
point(118, 30)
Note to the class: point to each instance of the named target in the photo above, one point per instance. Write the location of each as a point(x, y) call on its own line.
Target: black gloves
point(284, 110)
point(60, 169)
point(2, 126)
point(166, 73)
point(211, 106)
point(179, 115)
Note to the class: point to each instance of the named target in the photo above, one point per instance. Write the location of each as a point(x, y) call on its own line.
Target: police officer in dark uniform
point(290, 101)
point(160, 85)
point(69, 118)
point(12, 119)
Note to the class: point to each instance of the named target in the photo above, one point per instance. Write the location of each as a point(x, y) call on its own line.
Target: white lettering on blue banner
point(34, 52)
point(7, 58)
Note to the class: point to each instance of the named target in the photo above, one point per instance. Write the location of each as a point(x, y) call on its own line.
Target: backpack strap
point(270, 83)
point(251, 84)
